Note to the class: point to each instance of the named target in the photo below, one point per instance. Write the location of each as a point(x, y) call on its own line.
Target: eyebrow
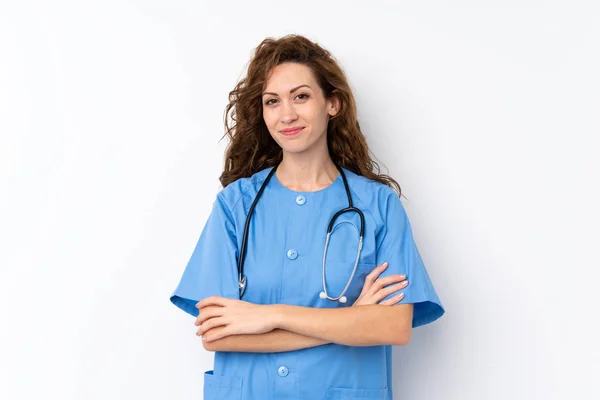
point(291, 91)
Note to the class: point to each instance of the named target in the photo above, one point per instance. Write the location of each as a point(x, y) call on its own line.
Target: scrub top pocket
point(222, 387)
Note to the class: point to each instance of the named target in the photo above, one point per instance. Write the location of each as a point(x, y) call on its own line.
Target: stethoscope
point(242, 281)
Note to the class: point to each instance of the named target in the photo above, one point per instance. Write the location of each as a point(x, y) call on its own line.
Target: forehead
point(289, 75)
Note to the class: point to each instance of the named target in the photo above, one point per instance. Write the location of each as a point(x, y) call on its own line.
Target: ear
point(333, 105)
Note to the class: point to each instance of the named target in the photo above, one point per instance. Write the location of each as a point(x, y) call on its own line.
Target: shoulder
point(231, 195)
point(372, 195)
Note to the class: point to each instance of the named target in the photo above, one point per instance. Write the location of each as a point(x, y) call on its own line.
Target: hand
point(374, 289)
point(235, 317)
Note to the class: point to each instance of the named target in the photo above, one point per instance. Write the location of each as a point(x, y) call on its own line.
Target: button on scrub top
point(283, 266)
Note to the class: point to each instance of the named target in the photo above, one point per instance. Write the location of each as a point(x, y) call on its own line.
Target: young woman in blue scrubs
point(284, 331)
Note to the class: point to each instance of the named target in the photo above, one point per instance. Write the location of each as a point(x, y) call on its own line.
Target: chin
point(294, 146)
point(294, 149)
point(297, 145)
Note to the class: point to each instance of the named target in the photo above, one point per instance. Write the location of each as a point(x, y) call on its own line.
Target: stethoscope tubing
point(242, 281)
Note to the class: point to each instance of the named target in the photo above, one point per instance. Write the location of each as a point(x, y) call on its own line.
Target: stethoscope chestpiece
point(242, 285)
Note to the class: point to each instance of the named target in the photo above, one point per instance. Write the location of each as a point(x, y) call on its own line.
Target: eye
point(304, 97)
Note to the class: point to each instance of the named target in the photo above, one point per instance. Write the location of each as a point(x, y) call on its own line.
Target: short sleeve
point(398, 248)
point(212, 267)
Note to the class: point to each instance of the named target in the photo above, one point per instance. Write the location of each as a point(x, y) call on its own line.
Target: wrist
point(276, 315)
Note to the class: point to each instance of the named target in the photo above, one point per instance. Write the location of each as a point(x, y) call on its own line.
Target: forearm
point(367, 325)
point(278, 340)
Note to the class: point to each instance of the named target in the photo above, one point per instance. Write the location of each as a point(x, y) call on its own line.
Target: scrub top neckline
point(279, 184)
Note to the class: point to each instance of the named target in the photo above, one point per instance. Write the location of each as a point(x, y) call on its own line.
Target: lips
point(291, 132)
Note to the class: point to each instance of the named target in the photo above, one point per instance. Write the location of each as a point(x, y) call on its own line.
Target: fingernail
point(404, 282)
point(401, 295)
point(203, 339)
point(385, 264)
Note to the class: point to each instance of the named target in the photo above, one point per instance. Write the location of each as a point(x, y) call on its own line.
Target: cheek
point(268, 118)
point(316, 116)
point(271, 122)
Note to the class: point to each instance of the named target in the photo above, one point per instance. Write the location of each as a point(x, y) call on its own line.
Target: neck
point(306, 173)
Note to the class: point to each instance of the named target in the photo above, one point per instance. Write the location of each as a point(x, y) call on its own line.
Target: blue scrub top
point(283, 266)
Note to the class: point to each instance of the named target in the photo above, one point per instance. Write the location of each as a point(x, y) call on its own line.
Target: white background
point(487, 114)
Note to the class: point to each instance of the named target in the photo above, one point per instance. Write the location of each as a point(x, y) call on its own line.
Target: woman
point(282, 324)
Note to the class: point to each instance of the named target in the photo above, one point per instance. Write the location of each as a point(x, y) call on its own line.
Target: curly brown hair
point(251, 148)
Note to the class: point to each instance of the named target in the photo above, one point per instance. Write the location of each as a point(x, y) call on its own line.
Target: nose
point(288, 112)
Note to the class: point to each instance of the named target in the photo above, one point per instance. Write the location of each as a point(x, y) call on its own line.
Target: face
point(295, 109)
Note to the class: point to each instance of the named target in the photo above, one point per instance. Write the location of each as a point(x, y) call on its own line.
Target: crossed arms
point(236, 325)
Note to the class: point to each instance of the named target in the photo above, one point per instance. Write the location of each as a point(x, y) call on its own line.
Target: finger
point(393, 300)
point(212, 301)
point(219, 334)
point(207, 313)
point(385, 292)
point(210, 324)
point(373, 275)
point(388, 280)
point(203, 327)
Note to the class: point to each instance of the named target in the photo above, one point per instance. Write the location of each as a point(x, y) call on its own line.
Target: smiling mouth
point(291, 132)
